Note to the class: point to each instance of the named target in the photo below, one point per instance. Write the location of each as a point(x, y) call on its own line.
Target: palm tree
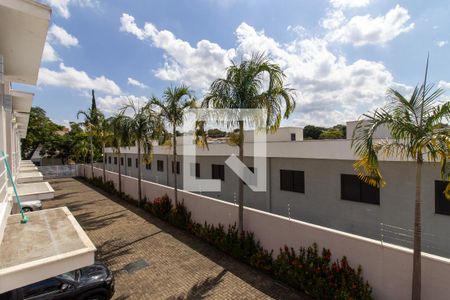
point(175, 102)
point(256, 83)
point(141, 128)
point(117, 138)
point(417, 134)
point(91, 122)
point(104, 135)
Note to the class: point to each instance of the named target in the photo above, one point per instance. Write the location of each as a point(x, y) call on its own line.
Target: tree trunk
point(104, 163)
point(175, 189)
point(92, 155)
point(241, 183)
point(139, 175)
point(120, 174)
point(416, 280)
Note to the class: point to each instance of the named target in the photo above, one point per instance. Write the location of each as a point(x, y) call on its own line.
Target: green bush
point(180, 216)
point(317, 276)
point(161, 207)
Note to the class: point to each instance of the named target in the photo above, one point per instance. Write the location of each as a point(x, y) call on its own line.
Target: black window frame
point(115, 160)
point(129, 162)
point(356, 190)
point(195, 170)
point(293, 137)
point(122, 161)
point(137, 163)
point(160, 165)
point(292, 181)
point(218, 172)
point(109, 160)
point(148, 166)
point(441, 203)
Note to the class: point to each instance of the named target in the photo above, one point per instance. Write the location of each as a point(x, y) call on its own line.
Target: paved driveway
point(153, 260)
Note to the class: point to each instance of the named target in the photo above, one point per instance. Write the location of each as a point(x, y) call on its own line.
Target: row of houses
point(47, 242)
point(312, 181)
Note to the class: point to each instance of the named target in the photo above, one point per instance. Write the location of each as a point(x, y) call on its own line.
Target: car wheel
point(95, 297)
point(27, 209)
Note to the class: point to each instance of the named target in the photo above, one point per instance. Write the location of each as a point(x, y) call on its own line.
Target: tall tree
point(417, 134)
point(176, 100)
point(251, 84)
point(117, 140)
point(141, 128)
point(91, 122)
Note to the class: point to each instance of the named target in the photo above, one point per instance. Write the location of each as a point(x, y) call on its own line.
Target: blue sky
point(340, 55)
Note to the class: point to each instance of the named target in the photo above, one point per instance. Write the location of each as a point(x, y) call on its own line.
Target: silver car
point(28, 206)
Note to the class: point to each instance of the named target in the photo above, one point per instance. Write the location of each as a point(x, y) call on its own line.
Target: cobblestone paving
point(180, 266)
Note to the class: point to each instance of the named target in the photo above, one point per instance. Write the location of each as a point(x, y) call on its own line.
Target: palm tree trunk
point(241, 183)
point(175, 164)
point(416, 280)
point(104, 163)
point(92, 155)
point(120, 175)
point(139, 175)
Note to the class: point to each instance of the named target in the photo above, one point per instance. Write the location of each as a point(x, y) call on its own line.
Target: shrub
point(161, 207)
point(180, 216)
point(316, 276)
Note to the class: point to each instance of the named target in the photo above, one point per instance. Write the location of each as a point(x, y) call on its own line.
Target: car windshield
point(72, 275)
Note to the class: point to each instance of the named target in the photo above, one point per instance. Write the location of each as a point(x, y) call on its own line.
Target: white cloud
point(61, 36)
point(111, 104)
point(364, 30)
point(196, 66)
point(333, 19)
point(343, 4)
point(137, 83)
point(62, 6)
point(49, 54)
point(330, 89)
point(444, 84)
point(75, 79)
point(442, 43)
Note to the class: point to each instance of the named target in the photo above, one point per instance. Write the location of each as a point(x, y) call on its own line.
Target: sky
point(339, 55)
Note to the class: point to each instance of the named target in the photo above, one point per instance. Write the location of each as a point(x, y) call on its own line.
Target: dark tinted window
point(137, 163)
point(218, 172)
point(354, 189)
point(178, 167)
point(115, 160)
point(292, 181)
point(195, 169)
point(442, 204)
point(109, 159)
point(160, 165)
point(292, 136)
point(129, 161)
point(121, 161)
point(148, 166)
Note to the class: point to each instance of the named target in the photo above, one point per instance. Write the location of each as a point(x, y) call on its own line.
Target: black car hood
point(93, 273)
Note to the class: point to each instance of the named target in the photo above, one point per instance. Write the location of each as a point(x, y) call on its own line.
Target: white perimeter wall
point(387, 267)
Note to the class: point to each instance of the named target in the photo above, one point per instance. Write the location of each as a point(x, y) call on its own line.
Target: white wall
point(388, 268)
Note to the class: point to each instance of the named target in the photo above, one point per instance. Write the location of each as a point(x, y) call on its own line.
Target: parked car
point(95, 282)
point(27, 206)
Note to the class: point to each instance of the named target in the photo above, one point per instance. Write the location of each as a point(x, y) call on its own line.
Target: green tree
point(118, 139)
point(417, 134)
point(92, 119)
point(141, 129)
point(251, 84)
point(176, 100)
point(312, 132)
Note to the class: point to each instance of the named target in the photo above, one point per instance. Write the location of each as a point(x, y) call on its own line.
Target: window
point(121, 161)
point(115, 160)
point(195, 170)
point(293, 137)
point(137, 163)
point(442, 204)
point(129, 161)
point(160, 166)
point(148, 166)
point(178, 167)
point(354, 189)
point(109, 159)
point(292, 181)
point(41, 288)
point(218, 172)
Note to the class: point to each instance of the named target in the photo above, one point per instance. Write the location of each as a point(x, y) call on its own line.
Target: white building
point(51, 242)
point(314, 181)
